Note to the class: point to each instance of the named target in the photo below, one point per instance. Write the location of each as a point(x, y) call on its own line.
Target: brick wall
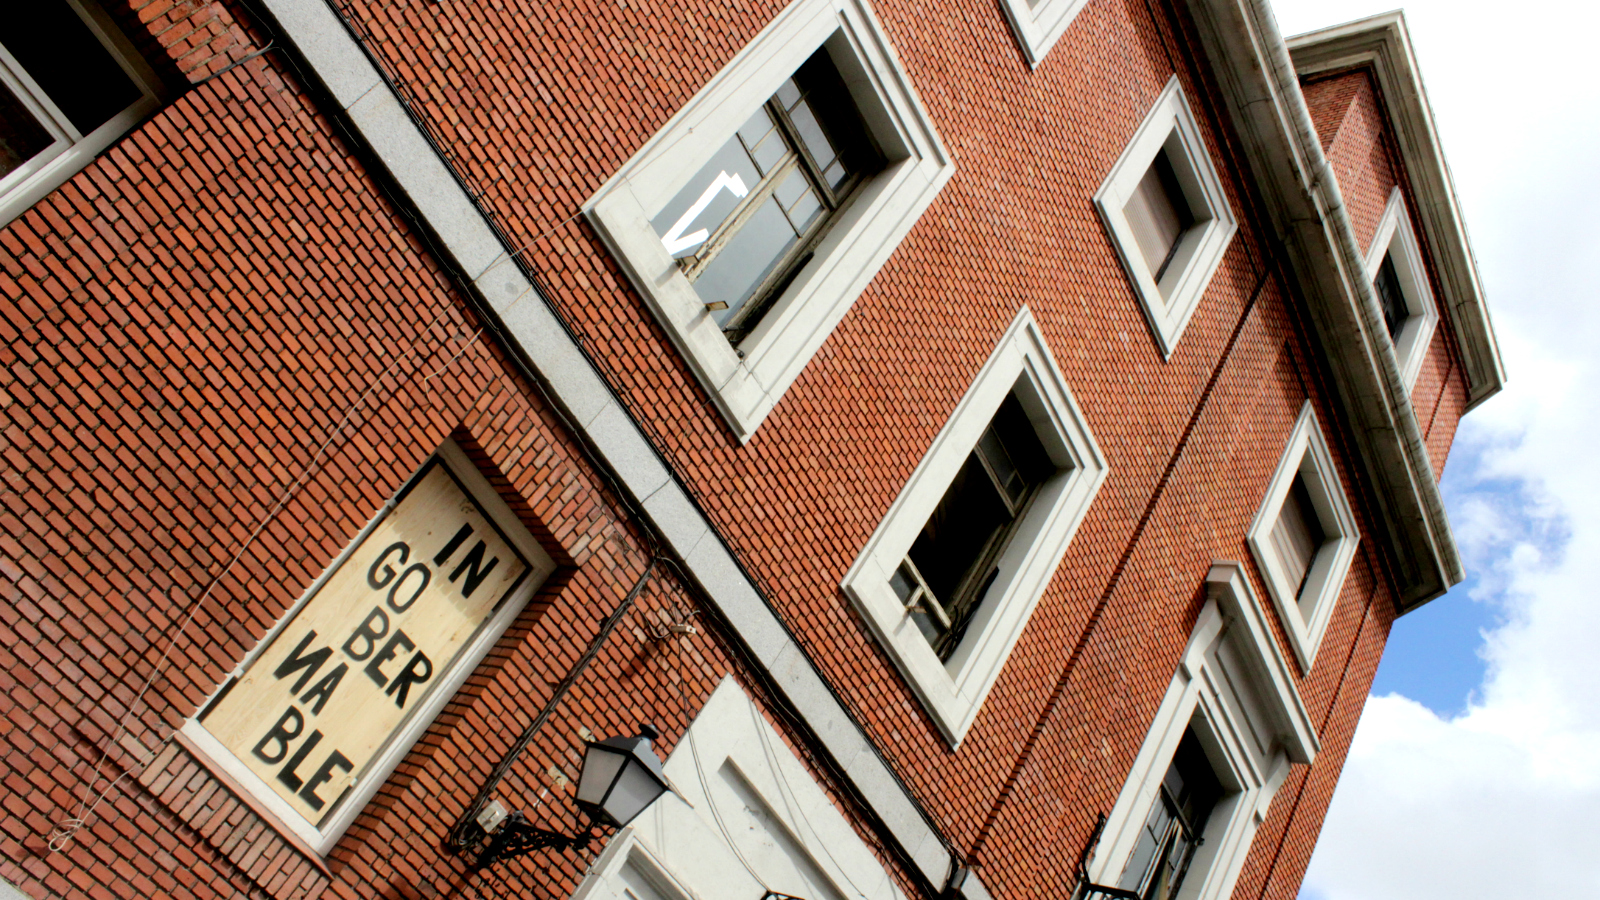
point(193, 314)
point(1014, 225)
point(186, 324)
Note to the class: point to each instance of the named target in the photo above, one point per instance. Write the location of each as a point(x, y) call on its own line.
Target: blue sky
point(1475, 771)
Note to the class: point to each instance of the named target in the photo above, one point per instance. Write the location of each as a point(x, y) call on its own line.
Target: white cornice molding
point(1383, 44)
point(1261, 92)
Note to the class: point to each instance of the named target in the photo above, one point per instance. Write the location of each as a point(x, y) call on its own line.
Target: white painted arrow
point(675, 240)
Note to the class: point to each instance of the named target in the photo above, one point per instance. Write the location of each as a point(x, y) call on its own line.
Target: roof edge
point(1322, 256)
point(1382, 43)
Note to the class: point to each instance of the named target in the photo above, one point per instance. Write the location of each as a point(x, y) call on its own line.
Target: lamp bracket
point(517, 837)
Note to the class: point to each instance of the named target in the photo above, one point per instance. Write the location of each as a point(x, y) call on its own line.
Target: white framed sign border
point(350, 805)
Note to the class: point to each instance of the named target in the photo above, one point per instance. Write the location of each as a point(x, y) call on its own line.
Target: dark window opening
point(750, 219)
point(1159, 214)
point(1176, 824)
point(954, 560)
point(1298, 534)
point(1391, 298)
point(62, 83)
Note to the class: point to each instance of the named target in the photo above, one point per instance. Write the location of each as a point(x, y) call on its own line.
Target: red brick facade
point(225, 324)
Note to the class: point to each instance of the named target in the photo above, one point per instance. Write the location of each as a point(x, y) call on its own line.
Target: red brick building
point(988, 442)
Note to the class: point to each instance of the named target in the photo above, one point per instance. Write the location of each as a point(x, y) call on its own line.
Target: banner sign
point(316, 707)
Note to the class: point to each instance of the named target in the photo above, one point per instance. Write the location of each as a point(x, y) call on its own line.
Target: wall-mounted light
point(620, 777)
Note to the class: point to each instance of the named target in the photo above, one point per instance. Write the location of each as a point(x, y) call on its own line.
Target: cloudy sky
point(1475, 772)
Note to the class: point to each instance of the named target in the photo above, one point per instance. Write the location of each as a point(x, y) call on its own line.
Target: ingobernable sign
point(314, 709)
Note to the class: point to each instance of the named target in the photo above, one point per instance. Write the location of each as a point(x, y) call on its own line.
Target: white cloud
point(1500, 801)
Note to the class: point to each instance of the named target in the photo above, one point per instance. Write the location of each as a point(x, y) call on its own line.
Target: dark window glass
point(1175, 825)
point(1390, 297)
point(745, 224)
point(953, 560)
point(21, 136)
point(1159, 214)
point(69, 63)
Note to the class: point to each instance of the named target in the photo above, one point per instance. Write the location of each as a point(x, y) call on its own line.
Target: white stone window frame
point(1395, 235)
point(323, 840)
point(953, 692)
point(1170, 303)
point(1039, 26)
point(1234, 687)
point(30, 182)
point(683, 843)
point(747, 382)
point(1306, 613)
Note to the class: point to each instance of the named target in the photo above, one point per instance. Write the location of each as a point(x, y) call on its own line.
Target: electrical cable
point(458, 837)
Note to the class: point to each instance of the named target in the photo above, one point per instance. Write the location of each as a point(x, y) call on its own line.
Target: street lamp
point(620, 777)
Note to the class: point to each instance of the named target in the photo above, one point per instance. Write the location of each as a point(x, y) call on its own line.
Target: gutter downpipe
point(1325, 195)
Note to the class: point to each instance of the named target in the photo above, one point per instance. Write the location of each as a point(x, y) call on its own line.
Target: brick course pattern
point(189, 319)
point(182, 354)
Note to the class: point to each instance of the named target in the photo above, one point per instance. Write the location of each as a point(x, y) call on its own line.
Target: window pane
point(765, 143)
point(835, 174)
point(1298, 534)
point(903, 584)
point(747, 258)
point(68, 62)
point(1006, 474)
point(789, 93)
point(805, 211)
point(953, 540)
point(1390, 297)
point(21, 136)
point(709, 198)
point(811, 134)
point(1158, 214)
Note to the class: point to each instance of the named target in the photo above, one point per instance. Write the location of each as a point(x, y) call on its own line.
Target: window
point(952, 573)
point(1172, 831)
point(1040, 23)
point(70, 84)
point(753, 220)
point(1304, 536)
point(749, 221)
point(1228, 728)
point(1159, 215)
point(1394, 263)
point(1167, 216)
point(318, 715)
point(954, 560)
point(744, 819)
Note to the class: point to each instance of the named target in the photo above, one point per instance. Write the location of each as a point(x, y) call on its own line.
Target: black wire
point(236, 63)
point(457, 838)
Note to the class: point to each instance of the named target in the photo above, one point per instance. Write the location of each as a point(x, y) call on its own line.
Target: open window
point(955, 559)
point(952, 573)
point(1228, 728)
point(1175, 826)
point(70, 85)
point(1394, 263)
point(756, 216)
point(750, 219)
point(1304, 536)
point(1165, 211)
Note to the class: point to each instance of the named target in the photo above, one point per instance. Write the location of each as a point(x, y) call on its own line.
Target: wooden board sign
point(315, 708)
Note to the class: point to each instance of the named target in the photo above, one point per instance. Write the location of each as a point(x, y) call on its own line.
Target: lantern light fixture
point(620, 777)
